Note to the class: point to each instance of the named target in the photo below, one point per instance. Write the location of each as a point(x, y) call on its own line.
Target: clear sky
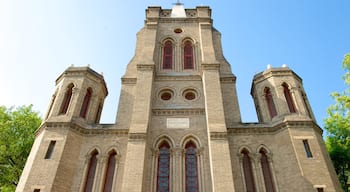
point(39, 39)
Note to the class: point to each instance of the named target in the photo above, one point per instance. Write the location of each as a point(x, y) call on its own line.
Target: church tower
point(178, 126)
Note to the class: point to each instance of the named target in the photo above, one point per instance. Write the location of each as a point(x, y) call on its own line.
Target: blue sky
point(39, 39)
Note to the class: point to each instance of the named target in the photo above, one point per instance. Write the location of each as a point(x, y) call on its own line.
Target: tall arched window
point(111, 165)
point(66, 99)
point(270, 103)
point(266, 170)
point(90, 176)
point(86, 102)
point(191, 168)
point(163, 172)
point(188, 55)
point(168, 55)
point(289, 98)
point(248, 171)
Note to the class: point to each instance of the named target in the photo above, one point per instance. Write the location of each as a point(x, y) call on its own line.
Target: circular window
point(178, 30)
point(190, 94)
point(166, 94)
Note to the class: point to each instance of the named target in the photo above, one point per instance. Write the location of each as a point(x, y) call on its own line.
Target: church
point(178, 126)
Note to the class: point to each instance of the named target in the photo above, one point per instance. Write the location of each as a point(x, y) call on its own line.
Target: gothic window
point(266, 170)
point(307, 148)
point(168, 55)
point(188, 62)
point(98, 114)
point(111, 165)
point(163, 171)
point(66, 100)
point(289, 98)
point(191, 168)
point(91, 171)
point(270, 104)
point(84, 107)
point(248, 171)
point(50, 150)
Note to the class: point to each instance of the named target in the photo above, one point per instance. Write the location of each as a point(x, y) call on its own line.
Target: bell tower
point(79, 94)
point(279, 93)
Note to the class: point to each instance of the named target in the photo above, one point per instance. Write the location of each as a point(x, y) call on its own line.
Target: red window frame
point(90, 176)
point(111, 164)
point(270, 104)
point(66, 100)
point(289, 98)
point(86, 102)
point(266, 170)
point(168, 55)
point(248, 171)
point(188, 55)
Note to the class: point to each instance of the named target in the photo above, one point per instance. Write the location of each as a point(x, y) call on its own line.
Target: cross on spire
point(178, 3)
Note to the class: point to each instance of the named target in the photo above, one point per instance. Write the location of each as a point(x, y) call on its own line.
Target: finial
point(178, 3)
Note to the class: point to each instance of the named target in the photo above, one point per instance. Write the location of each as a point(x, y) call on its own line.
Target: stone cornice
point(100, 129)
point(178, 112)
point(218, 135)
point(260, 128)
point(179, 78)
point(211, 66)
point(129, 80)
point(145, 67)
point(137, 136)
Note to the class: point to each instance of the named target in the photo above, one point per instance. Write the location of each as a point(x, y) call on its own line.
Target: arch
point(266, 170)
point(247, 170)
point(110, 170)
point(86, 102)
point(190, 137)
point(162, 138)
point(91, 171)
point(67, 98)
point(269, 102)
point(188, 54)
point(168, 54)
point(288, 97)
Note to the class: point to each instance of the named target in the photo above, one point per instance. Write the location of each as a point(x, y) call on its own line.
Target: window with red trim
point(163, 171)
point(111, 164)
point(86, 102)
point(188, 55)
point(248, 171)
point(191, 169)
point(168, 55)
point(90, 176)
point(270, 104)
point(266, 170)
point(66, 100)
point(289, 98)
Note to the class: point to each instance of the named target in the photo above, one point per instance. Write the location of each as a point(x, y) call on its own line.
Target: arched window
point(85, 106)
point(248, 171)
point(163, 171)
point(111, 165)
point(168, 55)
point(188, 55)
point(191, 168)
point(270, 103)
point(289, 98)
point(66, 99)
point(266, 170)
point(90, 176)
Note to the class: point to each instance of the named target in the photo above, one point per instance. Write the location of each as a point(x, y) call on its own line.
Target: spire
point(178, 10)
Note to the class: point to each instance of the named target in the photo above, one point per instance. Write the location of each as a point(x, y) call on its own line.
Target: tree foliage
point(17, 127)
point(337, 125)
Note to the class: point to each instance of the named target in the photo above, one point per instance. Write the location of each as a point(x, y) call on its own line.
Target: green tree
point(337, 125)
point(17, 127)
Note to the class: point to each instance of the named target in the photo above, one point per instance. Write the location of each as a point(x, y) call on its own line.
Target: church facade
point(178, 126)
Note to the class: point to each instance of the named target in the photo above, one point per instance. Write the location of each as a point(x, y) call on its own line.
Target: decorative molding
point(137, 136)
point(231, 79)
point(129, 80)
point(167, 112)
point(218, 135)
point(145, 67)
point(211, 66)
point(178, 78)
